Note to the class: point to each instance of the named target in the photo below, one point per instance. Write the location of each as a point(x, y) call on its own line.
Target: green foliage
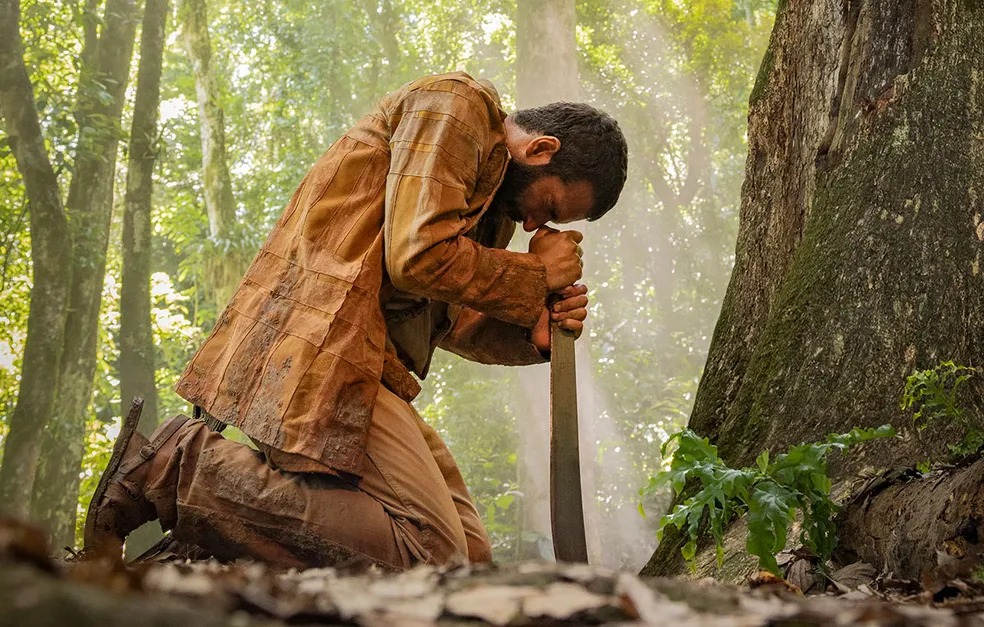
point(932, 395)
point(769, 494)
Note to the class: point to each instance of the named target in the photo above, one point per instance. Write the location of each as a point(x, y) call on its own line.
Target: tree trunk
point(859, 247)
point(225, 265)
point(51, 261)
point(89, 208)
point(546, 71)
point(546, 53)
point(136, 329)
point(137, 365)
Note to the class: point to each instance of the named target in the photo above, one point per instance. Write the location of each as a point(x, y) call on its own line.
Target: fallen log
point(923, 527)
point(917, 526)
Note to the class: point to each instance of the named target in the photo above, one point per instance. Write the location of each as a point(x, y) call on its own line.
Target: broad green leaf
point(504, 501)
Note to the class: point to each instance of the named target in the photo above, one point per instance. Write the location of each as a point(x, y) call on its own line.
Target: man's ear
point(540, 150)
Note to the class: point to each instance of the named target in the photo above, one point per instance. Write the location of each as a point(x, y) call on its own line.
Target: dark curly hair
point(592, 148)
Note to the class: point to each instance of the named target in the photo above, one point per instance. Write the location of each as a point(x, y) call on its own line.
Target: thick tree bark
point(89, 208)
point(51, 260)
point(546, 71)
point(224, 266)
point(859, 248)
point(136, 329)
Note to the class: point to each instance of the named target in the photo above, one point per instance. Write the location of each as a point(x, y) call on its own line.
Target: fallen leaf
point(765, 579)
point(801, 575)
point(854, 575)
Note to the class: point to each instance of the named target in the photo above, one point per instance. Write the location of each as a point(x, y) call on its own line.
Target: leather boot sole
point(109, 474)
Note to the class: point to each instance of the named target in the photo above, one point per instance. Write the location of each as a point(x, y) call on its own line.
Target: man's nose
point(530, 225)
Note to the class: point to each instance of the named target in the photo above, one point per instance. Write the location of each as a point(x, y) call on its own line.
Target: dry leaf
point(854, 575)
point(801, 575)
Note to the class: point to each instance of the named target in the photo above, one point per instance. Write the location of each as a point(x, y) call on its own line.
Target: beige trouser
point(410, 506)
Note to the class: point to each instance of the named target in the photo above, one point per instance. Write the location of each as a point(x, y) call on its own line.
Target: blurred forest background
point(250, 94)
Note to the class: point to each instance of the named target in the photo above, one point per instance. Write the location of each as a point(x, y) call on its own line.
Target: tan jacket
point(381, 255)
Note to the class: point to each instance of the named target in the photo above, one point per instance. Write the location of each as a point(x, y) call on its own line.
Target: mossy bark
point(137, 361)
point(43, 451)
point(859, 249)
point(225, 262)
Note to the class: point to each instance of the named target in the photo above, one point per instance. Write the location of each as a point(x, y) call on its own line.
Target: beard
point(516, 181)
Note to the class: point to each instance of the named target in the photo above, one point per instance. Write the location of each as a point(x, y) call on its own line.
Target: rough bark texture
point(89, 208)
point(51, 260)
point(136, 329)
point(918, 527)
point(858, 255)
point(224, 267)
point(546, 71)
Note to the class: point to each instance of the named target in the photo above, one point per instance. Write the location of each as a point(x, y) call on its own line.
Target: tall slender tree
point(225, 263)
point(89, 207)
point(51, 258)
point(137, 363)
point(136, 330)
point(43, 450)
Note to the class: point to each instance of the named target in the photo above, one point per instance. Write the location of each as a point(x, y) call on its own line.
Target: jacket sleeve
point(441, 132)
point(485, 339)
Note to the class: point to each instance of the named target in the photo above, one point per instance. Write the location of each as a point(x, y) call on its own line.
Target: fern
point(932, 395)
point(768, 494)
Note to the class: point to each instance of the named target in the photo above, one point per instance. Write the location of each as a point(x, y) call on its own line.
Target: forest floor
point(37, 590)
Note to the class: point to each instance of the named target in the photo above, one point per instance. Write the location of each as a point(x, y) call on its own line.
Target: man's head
point(568, 163)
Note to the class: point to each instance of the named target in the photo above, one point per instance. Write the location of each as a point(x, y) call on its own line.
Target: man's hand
point(560, 254)
point(568, 312)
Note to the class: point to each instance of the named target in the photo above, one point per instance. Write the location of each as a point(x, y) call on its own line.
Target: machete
point(566, 513)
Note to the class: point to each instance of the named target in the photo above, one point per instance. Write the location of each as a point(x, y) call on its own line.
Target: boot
point(118, 505)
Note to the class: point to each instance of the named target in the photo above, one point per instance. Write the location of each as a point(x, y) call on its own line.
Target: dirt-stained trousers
point(411, 505)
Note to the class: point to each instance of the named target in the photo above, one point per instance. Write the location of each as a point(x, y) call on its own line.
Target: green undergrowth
point(932, 394)
point(768, 494)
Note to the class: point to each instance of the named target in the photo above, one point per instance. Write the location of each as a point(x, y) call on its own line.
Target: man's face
point(530, 196)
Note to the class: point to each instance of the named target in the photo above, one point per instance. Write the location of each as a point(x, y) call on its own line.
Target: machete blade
point(566, 512)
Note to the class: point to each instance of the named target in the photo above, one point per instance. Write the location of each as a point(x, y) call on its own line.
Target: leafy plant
point(768, 494)
point(932, 394)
